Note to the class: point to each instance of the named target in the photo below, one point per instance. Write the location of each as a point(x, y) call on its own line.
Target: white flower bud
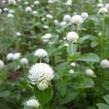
point(10, 56)
point(41, 53)
point(89, 72)
point(24, 61)
point(67, 18)
point(104, 63)
point(103, 10)
point(73, 64)
point(72, 37)
point(77, 19)
point(28, 9)
point(84, 15)
point(71, 71)
point(16, 56)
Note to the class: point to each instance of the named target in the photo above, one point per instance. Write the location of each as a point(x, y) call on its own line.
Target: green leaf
point(106, 98)
point(44, 96)
point(102, 106)
point(89, 57)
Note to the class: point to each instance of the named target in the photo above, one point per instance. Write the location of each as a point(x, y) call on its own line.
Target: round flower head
point(100, 5)
point(24, 61)
point(10, 56)
point(16, 56)
point(71, 71)
point(49, 16)
point(67, 18)
point(107, 6)
point(69, 2)
point(18, 34)
point(84, 15)
point(46, 38)
point(1, 64)
point(63, 23)
point(42, 85)
point(41, 53)
point(89, 72)
point(10, 15)
point(72, 37)
point(56, 22)
point(77, 19)
point(28, 9)
point(36, 2)
point(73, 64)
point(104, 63)
point(34, 13)
point(103, 10)
point(32, 103)
point(12, 2)
point(40, 72)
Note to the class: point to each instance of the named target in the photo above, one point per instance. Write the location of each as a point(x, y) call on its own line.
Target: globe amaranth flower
point(24, 61)
point(103, 10)
point(84, 15)
point(1, 64)
point(77, 19)
point(89, 72)
point(46, 38)
point(40, 74)
point(67, 18)
point(32, 103)
point(72, 37)
point(104, 63)
point(41, 53)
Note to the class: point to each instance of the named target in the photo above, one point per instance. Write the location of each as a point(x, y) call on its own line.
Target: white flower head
point(24, 61)
point(84, 15)
point(100, 5)
point(10, 56)
point(107, 6)
point(72, 37)
point(56, 22)
point(67, 18)
point(16, 56)
point(32, 103)
point(63, 23)
point(41, 53)
point(36, 2)
point(34, 13)
point(28, 9)
point(10, 15)
point(43, 85)
point(49, 16)
point(69, 2)
point(1, 64)
point(77, 19)
point(40, 72)
point(89, 72)
point(52, 1)
point(71, 71)
point(73, 64)
point(104, 63)
point(103, 10)
point(12, 2)
point(18, 34)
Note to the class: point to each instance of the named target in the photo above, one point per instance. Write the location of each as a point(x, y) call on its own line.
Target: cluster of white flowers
point(41, 74)
point(1, 64)
point(32, 103)
point(41, 53)
point(13, 56)
point(104, 63)
point(72, 37)
point(68, 3)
